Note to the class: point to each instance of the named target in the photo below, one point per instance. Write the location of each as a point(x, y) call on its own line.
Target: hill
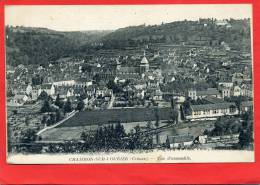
point(26, 45)
point(234, 32)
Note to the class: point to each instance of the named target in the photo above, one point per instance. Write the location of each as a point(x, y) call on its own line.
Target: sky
point(111, 17)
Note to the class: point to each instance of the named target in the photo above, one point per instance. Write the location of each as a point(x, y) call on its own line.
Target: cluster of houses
point(73, 88)
point(145, 80)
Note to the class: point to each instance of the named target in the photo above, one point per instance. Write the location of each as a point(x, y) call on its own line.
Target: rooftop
point(144, 60)
point(247, 103)
point(224, 105)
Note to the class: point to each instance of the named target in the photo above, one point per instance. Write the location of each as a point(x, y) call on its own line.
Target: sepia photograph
point(129, 83)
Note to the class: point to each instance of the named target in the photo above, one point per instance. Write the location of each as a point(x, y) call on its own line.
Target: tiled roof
point(224, 105)
point(212, 99)
point(180, 139)
point(46, 86)
point(247, 103)
point(209, 91)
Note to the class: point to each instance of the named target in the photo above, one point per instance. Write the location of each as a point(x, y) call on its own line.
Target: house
point(194, 94)
point(26, 89)
point(90, 90)
point(225, 84)
point(139, 93)
point(64, 83)
point(18, 100)
point(237, 78)
point(247, 90)
point(83, 83)
point(246, 106)
point(205, 139)
point(65, 92)
point(237, 91)
point(225, 91)
point(103, 91)
point(36, 91)
point(208, 111)
point(157, 96)
point(221, 23)
point(181, 141)
point(48, 88)
point(78, 91)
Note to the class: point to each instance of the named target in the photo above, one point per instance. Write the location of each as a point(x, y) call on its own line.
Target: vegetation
point(238, 36)
point(227, 126)
point(39, 45)
point(246, 132)
point(80, 106)
point(59, 102)
point(67, 106)
point(46, 107)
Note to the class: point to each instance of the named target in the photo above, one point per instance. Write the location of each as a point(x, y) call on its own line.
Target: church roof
point(144, 60)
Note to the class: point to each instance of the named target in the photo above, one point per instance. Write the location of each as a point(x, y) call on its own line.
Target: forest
point(26, 45)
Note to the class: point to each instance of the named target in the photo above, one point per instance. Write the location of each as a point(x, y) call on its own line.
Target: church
point(127, 70)
point(144, 65)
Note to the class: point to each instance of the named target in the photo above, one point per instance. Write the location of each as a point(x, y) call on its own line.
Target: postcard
point(98, 84)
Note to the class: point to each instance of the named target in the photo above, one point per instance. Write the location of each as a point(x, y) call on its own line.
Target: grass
point(99, 117)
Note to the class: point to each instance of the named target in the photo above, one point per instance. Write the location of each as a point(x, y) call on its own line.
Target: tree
point(28, 136)
point(51, 120)
point(167, 142)
point(46, 107)
point(97, 78)
point(245, 138)
point(15, 111)
point(58, 115)
point(186, 106)
point(80, 106)
point(137, 137)
point(58, 102)
point(67, 106)
point(115, 88)
point(27, 121)
point(43, 96)
point(218, 128)
point(44, 119)
point(174, 116)
point(157, 124)
point(149, 136)
point(238, 102)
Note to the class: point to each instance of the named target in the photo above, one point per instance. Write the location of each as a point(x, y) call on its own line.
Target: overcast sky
point(110, 17)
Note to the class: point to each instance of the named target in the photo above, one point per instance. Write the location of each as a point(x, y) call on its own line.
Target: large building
point(207, 111)
point(194, 94)
point(144, 65)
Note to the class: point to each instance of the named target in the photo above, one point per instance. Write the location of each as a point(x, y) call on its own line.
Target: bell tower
point(144, 65)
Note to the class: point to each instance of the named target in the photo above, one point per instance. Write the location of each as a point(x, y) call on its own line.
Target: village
point(194, 95)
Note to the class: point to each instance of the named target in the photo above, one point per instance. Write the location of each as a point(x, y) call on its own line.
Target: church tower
point(144, 65)
point(118, 64)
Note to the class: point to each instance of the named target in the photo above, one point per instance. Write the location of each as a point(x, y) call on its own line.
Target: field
point(127, 115)
point(73, 133)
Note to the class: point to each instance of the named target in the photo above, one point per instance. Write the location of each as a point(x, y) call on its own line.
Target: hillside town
point(197, 94)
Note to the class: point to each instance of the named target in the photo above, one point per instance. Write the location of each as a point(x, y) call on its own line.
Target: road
point(58, 123)
point(110, 104)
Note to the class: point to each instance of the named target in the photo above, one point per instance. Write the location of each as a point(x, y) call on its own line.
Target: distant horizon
point(113, 17)
point(118, 28)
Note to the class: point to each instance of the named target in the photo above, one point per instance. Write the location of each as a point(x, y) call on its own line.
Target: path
point(71, 114)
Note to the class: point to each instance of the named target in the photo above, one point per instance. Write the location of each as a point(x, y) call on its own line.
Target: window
point(215, 111)
point(224, 111)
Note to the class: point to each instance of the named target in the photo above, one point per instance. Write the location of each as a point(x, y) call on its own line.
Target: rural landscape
point(180, 85)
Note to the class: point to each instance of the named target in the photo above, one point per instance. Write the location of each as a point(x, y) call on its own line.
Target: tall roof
point(202, 107)
point(144, 60)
